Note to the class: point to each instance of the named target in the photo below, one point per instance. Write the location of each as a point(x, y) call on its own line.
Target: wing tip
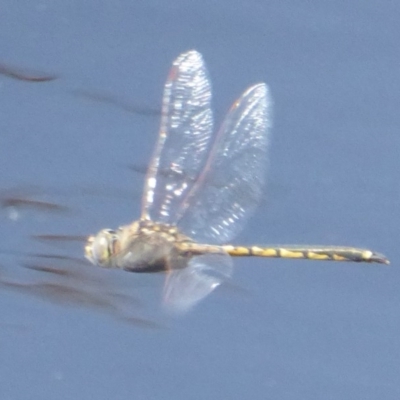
point(259, 90)
point(192, 56)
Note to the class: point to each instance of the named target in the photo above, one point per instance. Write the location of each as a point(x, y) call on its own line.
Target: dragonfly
point(199, 190)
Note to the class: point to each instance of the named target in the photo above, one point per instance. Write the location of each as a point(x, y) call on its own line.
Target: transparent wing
point(184, 288)
point(186, 128)
point(230, 185)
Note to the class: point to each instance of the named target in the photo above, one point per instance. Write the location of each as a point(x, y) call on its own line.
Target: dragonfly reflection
point(199, 191)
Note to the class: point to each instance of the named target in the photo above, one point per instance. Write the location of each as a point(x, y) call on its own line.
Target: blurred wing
point(230, 186)
point(185, 287)
point(186, 128)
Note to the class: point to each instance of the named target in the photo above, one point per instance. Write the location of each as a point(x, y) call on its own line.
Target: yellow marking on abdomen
point(327, 253)
point(319, 253)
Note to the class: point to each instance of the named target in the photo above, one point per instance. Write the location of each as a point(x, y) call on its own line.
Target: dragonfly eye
point(101, 248)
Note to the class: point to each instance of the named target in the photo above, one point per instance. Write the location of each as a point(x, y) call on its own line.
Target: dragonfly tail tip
point(379, 258)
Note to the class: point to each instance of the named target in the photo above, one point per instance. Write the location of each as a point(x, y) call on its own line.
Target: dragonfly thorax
point(143, 246)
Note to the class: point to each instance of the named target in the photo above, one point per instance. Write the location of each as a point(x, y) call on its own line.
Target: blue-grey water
point(282, 329)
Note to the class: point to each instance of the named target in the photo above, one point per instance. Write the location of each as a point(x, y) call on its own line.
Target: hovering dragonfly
point(198, 192)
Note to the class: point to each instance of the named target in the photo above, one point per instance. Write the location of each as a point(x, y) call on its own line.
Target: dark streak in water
point(27, 76)
point(108, 98)
point(59, 238)
point(19, 202)
point(73, 287)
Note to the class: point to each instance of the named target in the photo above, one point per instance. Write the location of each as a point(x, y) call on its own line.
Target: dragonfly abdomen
point(319, 253)
point(330, 253)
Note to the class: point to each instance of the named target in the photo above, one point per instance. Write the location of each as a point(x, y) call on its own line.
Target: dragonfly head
point(100, 249)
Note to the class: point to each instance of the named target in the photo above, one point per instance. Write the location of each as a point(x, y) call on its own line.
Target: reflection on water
point(15, 204)
point(74, 285)
point(111, 99)
point(17, 200)
point(25, 75)
point(64, 279)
